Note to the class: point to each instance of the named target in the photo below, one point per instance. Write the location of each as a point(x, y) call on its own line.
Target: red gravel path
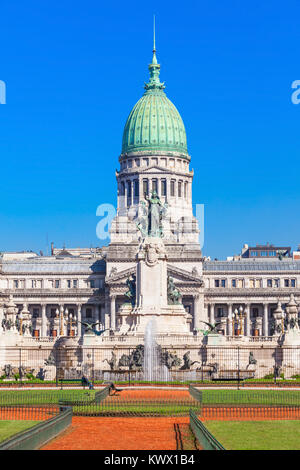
point(119, 434)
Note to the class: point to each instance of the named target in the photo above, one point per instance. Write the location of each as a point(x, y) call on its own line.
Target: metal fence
point(106, 402)
point(247, 404)
point(49, 427)
point(204, 437)
point(28, 412)
point(178, 365)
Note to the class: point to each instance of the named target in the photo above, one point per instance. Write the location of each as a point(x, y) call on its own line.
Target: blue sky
point(73, 71)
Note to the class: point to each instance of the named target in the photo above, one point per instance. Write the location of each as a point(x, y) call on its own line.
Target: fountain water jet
point(153, 369)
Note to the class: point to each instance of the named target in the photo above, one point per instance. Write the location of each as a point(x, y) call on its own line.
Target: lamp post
point(72, 321)
point(21, 323)
point(61, 318)
point(234, 318)
point(242, 315)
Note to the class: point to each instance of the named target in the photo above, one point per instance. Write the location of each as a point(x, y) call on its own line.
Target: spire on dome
point(154, 68)
point(154, 59)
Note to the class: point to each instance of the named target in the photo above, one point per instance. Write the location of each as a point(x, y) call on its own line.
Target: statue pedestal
point(214, 339)
point(90, 339)
point(152, 295)
point(292, 338)
point(151, 283)
point(171, 319)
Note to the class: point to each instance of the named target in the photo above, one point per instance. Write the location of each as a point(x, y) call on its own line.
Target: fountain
point(153, 369)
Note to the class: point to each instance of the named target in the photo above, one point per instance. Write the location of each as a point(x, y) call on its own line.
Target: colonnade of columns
point(66, 319)
point(239, 318)
point(131, 190)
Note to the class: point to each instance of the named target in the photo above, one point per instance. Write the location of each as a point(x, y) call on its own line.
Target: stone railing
point(261, 339)
point(252, 339)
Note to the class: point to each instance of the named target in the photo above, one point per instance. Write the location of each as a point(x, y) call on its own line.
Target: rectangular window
point(220, 311)
point(253, 253)
point(217, 283)
point(122, 193)
point(272, 253)
point(257, 283)
point(35, 313)
point(263, 253)
point(53, 312)
point(88, 313)
point(240, 283)
point(286, 283)
point(145, 187)
point(56, 284)
point(276, 282)
point(185, 190)
point(293, 282)
point(179, 189)
point(269, 283)
point(251, 283)
point(172, 188)
point(16, 284)
point(69, 283)
point(136, 188)
point(223, 282)
point(128, 193)
point(255, 312)
point(163, 187)
point(75, 283)
point(233, 283)
point(154, 185)
point(92, 284)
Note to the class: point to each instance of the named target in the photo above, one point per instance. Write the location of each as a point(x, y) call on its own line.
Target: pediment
point(182, 275)
point(120, 276)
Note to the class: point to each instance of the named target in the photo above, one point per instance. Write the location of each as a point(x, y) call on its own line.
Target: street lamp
point(242, 316)
point(72, 321)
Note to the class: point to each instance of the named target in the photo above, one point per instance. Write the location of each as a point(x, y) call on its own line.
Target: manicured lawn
point(10, 428)
point(256, 435)
point(43, 397)
point(251, 397)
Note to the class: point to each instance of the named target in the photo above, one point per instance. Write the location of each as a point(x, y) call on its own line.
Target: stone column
point(98, 316)
point(212, 313)
point(44, 321)
point(196, 311)
point(229, 320)
point(107, 313)
point(113, 312)
point(1, 315)
point(79, 325)
point(247, 329)
point(62, 326)
point(265, 320)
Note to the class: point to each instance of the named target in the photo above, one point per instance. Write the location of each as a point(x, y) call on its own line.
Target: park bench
point(83, 381)
point(233, 376)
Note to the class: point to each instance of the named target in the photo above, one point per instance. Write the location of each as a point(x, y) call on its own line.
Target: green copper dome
point(154, 123)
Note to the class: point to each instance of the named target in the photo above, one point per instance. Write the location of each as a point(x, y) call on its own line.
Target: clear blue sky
point(73, 71)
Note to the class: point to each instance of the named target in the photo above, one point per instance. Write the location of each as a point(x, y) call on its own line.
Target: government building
point(153, 267)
